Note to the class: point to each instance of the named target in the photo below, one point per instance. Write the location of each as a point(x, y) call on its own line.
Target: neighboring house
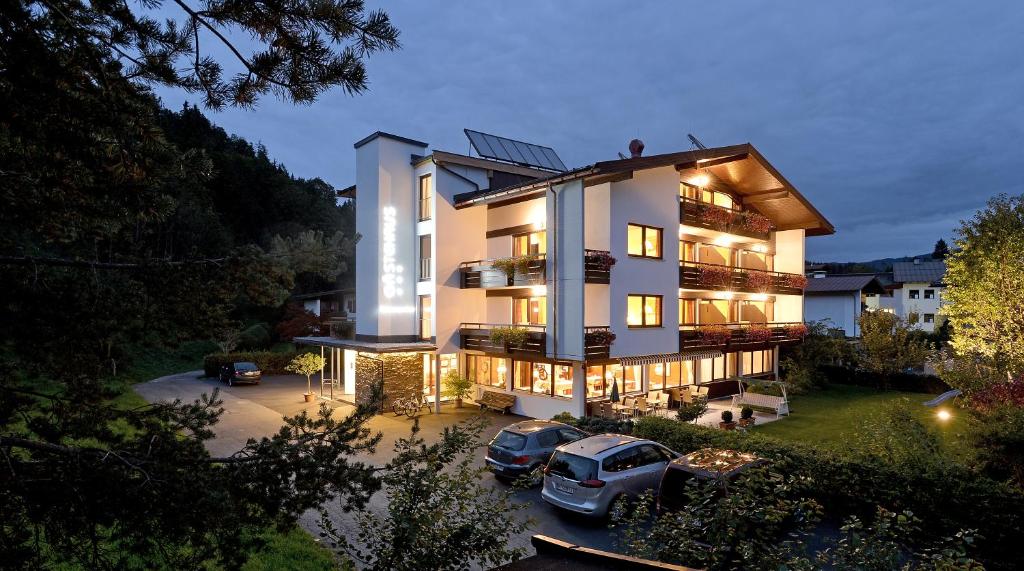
point(916, 292)
point(707, 284)
point(840, 299)
point(331, 304)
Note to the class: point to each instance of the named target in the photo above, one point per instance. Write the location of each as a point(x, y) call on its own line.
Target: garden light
point(943, 415)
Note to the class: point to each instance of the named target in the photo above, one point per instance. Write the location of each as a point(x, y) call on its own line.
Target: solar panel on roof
point(512, 151)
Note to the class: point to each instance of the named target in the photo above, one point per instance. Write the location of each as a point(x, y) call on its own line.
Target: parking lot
point(257, 410)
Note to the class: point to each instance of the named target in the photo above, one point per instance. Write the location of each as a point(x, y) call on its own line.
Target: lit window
point(643, 310)
point(643, 241)
point(426, 307)
point(929, 294)
point(530, 244)
point(914, 293)
point(929, 318)
point(426, 197)
point(529, 310)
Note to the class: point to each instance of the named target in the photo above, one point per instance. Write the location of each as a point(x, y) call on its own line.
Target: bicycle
point(410, 406)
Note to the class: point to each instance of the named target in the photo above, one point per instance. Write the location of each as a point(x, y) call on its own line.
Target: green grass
point(831, 417)
point(295, 550)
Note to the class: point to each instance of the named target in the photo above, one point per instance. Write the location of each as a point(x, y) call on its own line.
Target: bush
point(909, 382)
point(947, 497)
point(254, 337)
point(594, 424)
point(691, 411)
point(746, 412)
point(726, 416)
point(269, 362)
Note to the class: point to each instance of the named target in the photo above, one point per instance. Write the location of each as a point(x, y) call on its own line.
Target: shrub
point(601, 260)
point(691, 411)
point(755, 222)
point(512, 336)
point(269, 362)
point(599, 338)
point(716, 335)
point(456, 386)
point(759, 281)
point(715, 276)
point(946, 496)
point(746, 412)
point(255, 337)
point(509, 266)
point(343, 329)
point(999, 395)
point(595, 424)
point(796, 330)
point(726, 416)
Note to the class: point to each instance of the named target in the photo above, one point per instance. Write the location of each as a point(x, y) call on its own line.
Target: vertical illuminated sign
point(391, 278)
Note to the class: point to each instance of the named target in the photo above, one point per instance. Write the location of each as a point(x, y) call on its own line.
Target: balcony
point(597, 342)
point(698, 275)
point(477, 337)
point(728, 337)
point(526, 271)
point(722, 219)
point(597, 266)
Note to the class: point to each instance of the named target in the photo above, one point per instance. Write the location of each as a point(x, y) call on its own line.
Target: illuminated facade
point(650, 273)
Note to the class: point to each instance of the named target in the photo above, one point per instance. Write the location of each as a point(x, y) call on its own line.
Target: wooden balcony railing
point(597, 342)
point(740, 336)
point(596, 266)
point(722, 219)
point(477, 337)
point(481, 274)
point(699, 275)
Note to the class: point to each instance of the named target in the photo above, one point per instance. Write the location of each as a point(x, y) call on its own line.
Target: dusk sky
point(895, 119)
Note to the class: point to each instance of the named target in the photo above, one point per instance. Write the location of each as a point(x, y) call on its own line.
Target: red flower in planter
point(718, 217)
point(754, 222)
point(758, 334)
point(716, 335)
point(760, 281)
point(715, 276)
point(798, 330)
point(796, 281)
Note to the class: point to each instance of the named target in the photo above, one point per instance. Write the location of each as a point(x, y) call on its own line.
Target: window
point(929, 318)
point(914, 293)
point(529, 310)
point(706, 196)
point(668, 375)
point(530, 244)
point(715, 311)
point(449, 362)
point(426, 321)
point(547, 439)
point(756, 311)
point(626, 460)
point(929, 294)
point(600, 379)
point(687, 311)
point(489, 371)
point(643, 241)
point(425, 257)
point(643, 310)
point(687, 251)
point(758, 362)
point(426, 197)
point(542, 378)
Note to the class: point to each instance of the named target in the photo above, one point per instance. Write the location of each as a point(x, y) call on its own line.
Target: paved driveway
point(257, 410)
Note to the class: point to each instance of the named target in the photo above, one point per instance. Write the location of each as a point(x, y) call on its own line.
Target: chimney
point(636, 148)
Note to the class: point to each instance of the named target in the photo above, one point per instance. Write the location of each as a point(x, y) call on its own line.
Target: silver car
point(588, 475)
point(524, 447)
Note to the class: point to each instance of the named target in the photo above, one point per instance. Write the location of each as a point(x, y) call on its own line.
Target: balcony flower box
point(509, 336)
point(758, 334)
point(715, 276)
point(599, 338)
point(759, 281)
point(796, 331)
point(716, 335)
point(602, 261)
point(754, 222)
point(511, 266)
point(714, 216)
point(796, 281)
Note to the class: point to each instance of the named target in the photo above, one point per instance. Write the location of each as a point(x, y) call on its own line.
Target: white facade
point(480, 210)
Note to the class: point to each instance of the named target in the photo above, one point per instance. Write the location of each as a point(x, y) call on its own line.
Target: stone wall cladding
point(403, 376)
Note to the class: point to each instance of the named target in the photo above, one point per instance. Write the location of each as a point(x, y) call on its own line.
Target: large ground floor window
point(600, 379)
point(551, 379)
point(758, 362)
point(669, 374)
point(449, 362)
point(487, 370)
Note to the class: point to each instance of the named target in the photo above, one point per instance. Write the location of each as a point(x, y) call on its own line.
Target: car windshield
point(572, 466)
point(509, 440)
point(246, 367)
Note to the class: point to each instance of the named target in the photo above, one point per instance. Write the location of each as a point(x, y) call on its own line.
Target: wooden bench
point(496, 401)
point(779, 404)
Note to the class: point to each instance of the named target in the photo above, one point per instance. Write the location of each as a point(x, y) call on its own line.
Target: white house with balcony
point(554, 285)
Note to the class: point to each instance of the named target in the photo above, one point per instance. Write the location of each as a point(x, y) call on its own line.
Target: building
point(840, 299)
point(914, 292)
point(330, 304)
point(554, 285)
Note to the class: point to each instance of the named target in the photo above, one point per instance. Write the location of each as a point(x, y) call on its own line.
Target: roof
point(399, 138)
point(843, 283)
point(322, 294)
point(931, 271)
point(366, 346)
point(740, 168)
point(529, 426)
point(593, 445)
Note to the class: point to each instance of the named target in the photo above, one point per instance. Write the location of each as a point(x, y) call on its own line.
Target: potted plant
point(599, 338)
point(715, 276)
point(747, 417)
point(457, 387)
point(307, 364)
point(727, 422)
point(691, 411)
point(509, 336)
point(716, 335)
point(600, 260)
point(509, 266)
point(758, 334)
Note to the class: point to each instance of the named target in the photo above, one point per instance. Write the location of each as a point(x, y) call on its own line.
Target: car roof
point(531, 426)
point(716, 462)
point(596, 445)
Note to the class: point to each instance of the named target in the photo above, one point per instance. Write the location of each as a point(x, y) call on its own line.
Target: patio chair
point(675, 397)
point(658, 399)
point(642, 407)
point(606, 410)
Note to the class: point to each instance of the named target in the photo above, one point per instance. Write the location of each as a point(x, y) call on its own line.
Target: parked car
point(708, 464)
point(588, 475)
point(243, 372)
point(525, 447)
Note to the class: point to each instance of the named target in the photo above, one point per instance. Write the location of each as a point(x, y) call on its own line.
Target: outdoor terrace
point(700, 275)
point(740, 336)
point(722, 219)
point(481, 337)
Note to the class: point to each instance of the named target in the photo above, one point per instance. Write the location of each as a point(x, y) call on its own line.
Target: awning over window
point(668, 357)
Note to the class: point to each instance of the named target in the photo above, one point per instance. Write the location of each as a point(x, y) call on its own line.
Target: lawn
point(831, 416)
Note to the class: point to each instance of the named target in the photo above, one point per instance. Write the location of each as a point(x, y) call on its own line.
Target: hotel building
point(553, 285)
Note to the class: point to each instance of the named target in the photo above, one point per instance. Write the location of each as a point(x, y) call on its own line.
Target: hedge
point(271, 363)
point(910, 382)
point(947, 497)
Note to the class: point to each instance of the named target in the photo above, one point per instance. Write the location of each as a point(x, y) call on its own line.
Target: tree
point(439, 515)
point(297, 322)
point(985, 286)
point(941, 250)
point(307, 364)
point(888, 345)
